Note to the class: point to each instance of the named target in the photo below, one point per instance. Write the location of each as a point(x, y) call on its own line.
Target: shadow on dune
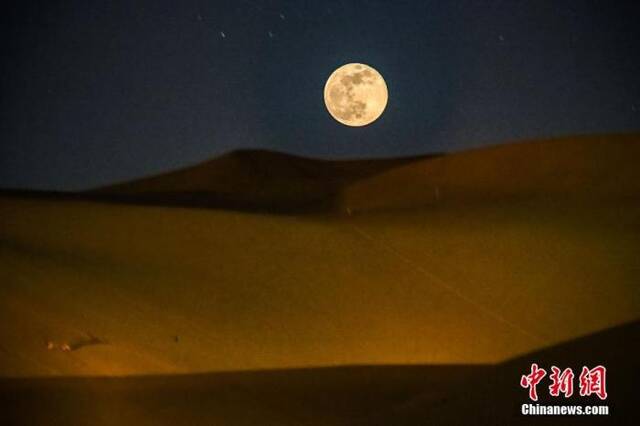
point(494, 397)
point(351, 395)
point(253, 180)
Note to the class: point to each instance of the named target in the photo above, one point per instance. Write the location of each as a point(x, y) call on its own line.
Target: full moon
point(355, 94)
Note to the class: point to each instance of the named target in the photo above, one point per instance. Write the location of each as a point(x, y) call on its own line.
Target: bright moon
point(355, 94)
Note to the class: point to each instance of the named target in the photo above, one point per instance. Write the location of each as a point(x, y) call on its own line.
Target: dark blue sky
point(97, 92)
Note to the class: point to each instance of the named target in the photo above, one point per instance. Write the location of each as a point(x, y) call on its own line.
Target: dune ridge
point(253, 180)
point(578, 167)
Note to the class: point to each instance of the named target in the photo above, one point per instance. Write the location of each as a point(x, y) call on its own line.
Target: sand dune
point(580, 168)
point(523, 247)
point(253, 180)
point(348, 395)
point(585, 167)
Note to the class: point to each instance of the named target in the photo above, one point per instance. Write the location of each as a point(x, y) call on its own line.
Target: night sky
point(97, 92)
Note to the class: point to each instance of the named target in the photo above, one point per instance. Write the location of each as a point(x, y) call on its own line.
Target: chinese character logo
point(561, 382)
point(531, 381)
point(591, 381)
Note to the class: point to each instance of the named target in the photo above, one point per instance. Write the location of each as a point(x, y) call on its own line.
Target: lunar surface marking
point(355, 94)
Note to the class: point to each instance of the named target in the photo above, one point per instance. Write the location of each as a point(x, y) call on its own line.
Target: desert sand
point(281, 290)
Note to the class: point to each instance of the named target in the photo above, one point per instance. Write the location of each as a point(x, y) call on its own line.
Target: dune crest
point(584, 167)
